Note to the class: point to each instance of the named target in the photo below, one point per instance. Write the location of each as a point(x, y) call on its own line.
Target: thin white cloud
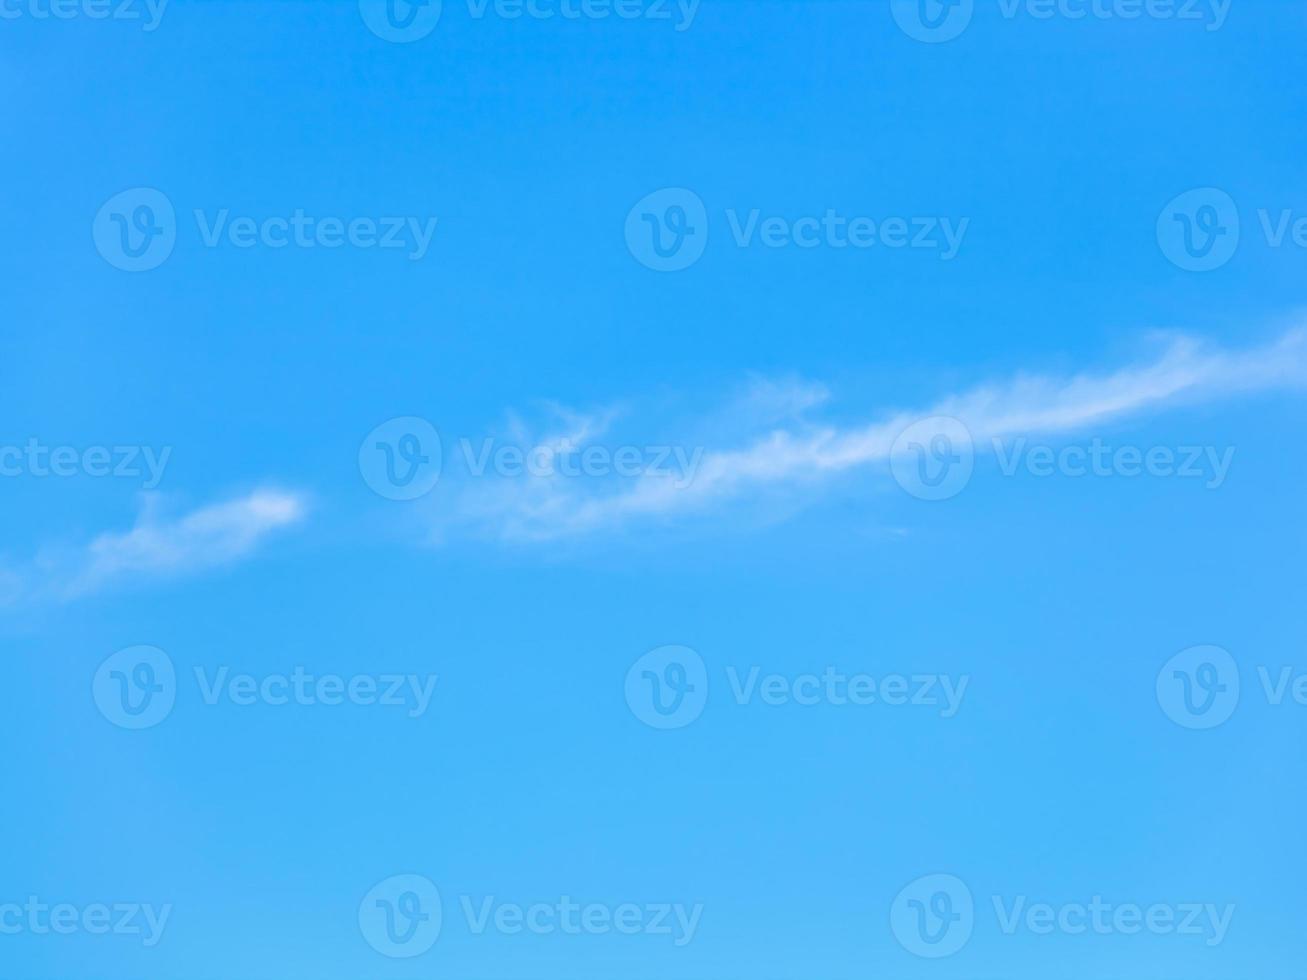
point(805, 455)
point(155, 547)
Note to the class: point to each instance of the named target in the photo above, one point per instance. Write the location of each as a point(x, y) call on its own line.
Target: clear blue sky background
point(529, 778)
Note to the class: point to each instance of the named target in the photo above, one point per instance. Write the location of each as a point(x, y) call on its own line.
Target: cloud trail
point(806, 455)
point(208, 537)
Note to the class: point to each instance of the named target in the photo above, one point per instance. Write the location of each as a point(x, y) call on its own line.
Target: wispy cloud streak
point(806, 455)
point(211, 536)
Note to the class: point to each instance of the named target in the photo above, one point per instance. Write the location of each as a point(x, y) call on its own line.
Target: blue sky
point(738, 461)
